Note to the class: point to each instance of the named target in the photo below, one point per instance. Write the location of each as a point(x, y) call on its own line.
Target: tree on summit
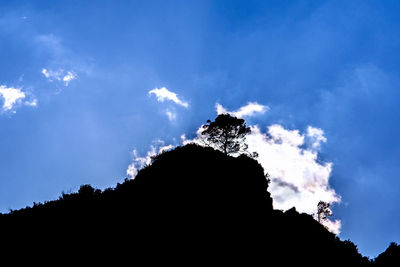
point(227, 133)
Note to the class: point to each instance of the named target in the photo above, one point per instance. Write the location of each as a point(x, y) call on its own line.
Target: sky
point(90, 89)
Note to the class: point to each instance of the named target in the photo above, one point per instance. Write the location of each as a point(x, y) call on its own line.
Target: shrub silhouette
point(192, 205)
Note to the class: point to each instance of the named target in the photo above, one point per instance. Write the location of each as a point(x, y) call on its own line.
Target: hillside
point(192, 204)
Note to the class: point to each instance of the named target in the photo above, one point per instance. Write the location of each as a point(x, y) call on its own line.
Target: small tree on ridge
point(227, 133)
point(323, 211)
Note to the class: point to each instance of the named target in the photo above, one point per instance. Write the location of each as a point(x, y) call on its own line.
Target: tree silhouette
point(323, 211)
point(227, 133)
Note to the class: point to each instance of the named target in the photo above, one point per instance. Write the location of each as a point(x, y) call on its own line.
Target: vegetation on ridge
point(193, 204)
point(199, 198)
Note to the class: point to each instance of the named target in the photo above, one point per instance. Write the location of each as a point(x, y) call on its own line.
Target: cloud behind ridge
point(298, 178)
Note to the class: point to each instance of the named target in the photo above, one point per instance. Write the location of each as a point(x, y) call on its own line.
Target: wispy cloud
point(163, 94)
point(171, 115)
point(69, 77)
point(32, 103)
point(63, 63)
point(251, 109)
point(50, 43)
point(59, 75)
point(316, 136)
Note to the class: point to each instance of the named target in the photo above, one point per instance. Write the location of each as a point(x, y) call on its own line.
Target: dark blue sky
point(86, 67)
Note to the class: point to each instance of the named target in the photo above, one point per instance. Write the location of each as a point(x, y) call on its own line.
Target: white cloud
point(59, 75)
point(163, 94)
point(298, 179)
point(11, 96)
point(14, 96)
point(282, 136)
point(220, 109)
point(251, 109)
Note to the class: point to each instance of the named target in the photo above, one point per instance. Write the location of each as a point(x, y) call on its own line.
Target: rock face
point(191, 205)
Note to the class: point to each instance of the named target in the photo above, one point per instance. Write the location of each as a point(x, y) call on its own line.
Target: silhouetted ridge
point(202, 178)
point(191, 205)
point(391, 257)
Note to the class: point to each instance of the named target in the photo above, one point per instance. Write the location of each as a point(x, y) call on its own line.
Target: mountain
point(192, 205)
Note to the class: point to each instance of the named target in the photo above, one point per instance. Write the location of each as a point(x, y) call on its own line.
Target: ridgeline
point(192, 205)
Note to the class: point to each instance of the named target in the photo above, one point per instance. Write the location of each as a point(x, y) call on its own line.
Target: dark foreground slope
point(390, 257)
point(192, 205)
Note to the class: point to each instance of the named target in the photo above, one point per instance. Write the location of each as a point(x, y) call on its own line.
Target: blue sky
point(85, 69)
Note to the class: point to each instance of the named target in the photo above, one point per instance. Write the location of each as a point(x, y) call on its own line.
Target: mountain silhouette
point(192, 205)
